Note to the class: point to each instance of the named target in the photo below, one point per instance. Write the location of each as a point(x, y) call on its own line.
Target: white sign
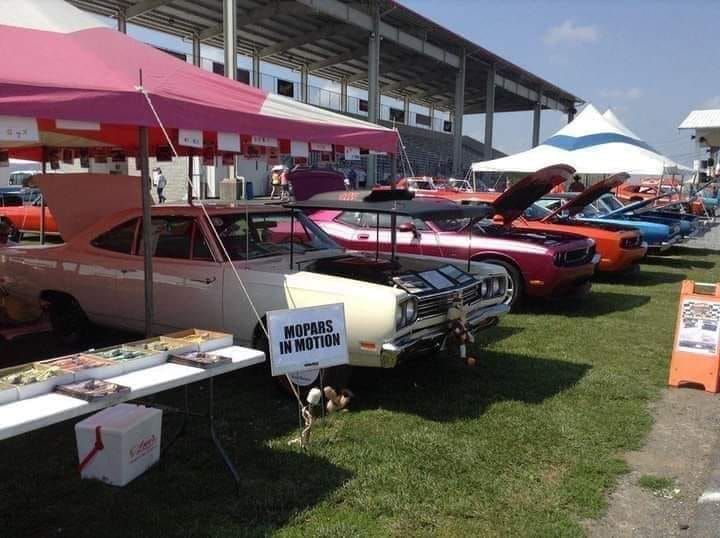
point(77, 125)
point(352, 153)
point(264, 141)
point(19, 129)
point(318, 146)
point(699, 327)
point(304, 379)
point(190, 137)
point(229, 142)
point(304, 339)
point(298, 148)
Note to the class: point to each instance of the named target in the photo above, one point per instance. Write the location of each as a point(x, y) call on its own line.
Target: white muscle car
point(393, 308)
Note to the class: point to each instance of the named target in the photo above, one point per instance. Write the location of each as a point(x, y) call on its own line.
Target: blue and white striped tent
point(592, 144)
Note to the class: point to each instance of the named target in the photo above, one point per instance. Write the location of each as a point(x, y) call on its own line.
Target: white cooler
point(130, 439)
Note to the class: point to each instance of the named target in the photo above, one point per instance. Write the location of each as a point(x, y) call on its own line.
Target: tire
point(515, 282)
point(69, 322)
point(337, 377)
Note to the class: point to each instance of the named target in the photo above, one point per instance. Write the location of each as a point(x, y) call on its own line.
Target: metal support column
point(230, 38)
point(431, 113)
point(143, 156)
point(406, 109)
point(256, 71)
point(536, 123)
point(373, 85)
point(304, 84)
point(230, 50)
point(196, 50)
point(571, 115)
point(343, 96)
point(121, 22)
point(459, 112)
point(489, 113)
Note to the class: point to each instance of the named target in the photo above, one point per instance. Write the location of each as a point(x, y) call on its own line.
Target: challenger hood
point(589, 195)
point(511, 203)
point(632, 207)
point(77, 201)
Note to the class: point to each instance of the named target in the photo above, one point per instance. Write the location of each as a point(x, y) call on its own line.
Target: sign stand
point(696, 349)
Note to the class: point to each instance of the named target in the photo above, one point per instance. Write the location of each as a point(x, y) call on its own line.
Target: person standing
point(576, 185)
point(160, 183)
point(352, 176)
point(284, 184)
point(275, 182)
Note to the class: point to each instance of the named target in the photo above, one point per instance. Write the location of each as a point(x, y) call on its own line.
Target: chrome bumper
point(665, 245)
point(432, 337)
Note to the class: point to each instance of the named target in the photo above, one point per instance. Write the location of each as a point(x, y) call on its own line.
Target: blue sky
point(651, 61)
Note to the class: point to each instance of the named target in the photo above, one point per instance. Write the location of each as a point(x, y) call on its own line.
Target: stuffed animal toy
point(337, 401)
point(459, 334)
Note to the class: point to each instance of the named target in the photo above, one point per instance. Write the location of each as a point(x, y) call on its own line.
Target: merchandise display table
point(33, 413)
point(27, 415)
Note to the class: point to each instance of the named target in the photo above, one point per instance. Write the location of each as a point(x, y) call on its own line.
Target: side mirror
point(407, 227)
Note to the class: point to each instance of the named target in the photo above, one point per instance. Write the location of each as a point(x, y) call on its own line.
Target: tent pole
point(190, 178)
point(143, 155)
point(42, 199)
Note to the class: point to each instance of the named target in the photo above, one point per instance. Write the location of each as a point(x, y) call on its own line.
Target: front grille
point(631, 242)
point(439, 304)
point(573, 258)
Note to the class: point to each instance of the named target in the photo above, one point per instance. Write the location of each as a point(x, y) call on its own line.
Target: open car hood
point(77, 201)
point(632, 207)
point(514, 201)
point(589, 195)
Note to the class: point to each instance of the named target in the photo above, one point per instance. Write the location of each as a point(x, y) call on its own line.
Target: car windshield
point(451, 225)
point(536, 212)
point(422, 184)
point(590, 211)
point(611, 202)
point(259, 235)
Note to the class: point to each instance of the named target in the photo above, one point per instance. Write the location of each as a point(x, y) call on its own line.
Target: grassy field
point(526, 444)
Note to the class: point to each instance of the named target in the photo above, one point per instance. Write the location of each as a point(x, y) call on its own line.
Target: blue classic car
point(583, 207)
point(613, 208)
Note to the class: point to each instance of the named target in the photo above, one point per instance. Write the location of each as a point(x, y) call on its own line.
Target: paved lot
point(709, 240)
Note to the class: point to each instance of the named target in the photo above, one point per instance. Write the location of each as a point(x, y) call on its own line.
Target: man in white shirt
point(160, 183)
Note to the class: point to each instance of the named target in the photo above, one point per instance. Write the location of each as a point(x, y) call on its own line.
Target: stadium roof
point(419, 57)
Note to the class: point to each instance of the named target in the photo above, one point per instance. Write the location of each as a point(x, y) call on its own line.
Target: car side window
point(352, 218)
point(171, 237)
point(200, 248)
point(118, 239)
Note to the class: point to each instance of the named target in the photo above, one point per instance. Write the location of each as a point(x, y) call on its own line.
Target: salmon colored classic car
point(662, 193)
point(26, 219)
point(619, 247)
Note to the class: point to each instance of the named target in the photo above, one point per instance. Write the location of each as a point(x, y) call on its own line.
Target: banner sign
point(73, 125)
point(190, 137)
point(298, 148)
point(19, 129)
point(264, 141)
point(228, 142)
point(303, 339)
point(318, 146)
point(352, 153)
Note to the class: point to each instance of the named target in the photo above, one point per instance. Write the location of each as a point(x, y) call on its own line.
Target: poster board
point(696, 347)
point(303, 339)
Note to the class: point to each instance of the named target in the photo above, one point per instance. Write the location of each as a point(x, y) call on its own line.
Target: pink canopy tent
point(70, 81)
point(66, 65)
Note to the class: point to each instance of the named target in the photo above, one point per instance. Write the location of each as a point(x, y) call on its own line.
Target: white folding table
point(33, 413)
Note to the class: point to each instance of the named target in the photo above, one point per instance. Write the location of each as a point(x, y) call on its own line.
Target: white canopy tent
point(592, 144)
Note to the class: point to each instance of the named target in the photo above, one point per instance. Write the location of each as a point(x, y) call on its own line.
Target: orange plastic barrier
point(696, 349)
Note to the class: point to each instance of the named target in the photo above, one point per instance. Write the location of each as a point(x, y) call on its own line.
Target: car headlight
point(496, 286)
point(483, 288)
point(406, 313)
point(410, 307)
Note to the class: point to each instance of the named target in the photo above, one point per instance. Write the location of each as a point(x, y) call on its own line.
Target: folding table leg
point(216, 441)
point(183, 426)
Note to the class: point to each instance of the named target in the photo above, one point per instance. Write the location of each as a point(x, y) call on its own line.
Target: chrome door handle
point(363, 236)
point(204, 280)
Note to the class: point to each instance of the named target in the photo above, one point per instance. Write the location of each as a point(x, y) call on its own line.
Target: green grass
point(528, 443)
point(655, 484)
